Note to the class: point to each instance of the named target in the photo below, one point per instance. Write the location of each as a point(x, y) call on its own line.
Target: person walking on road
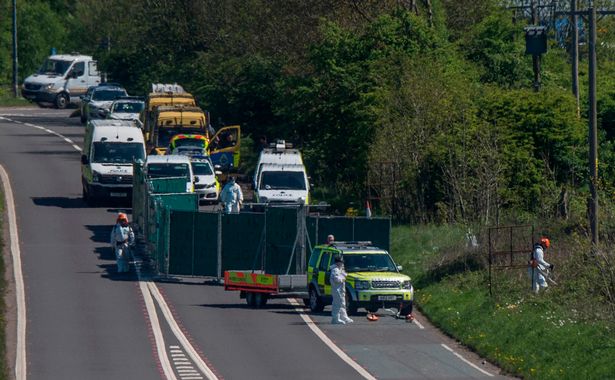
point(231, 196)
point(122, 238)
point(338, 292)
point(539, 268)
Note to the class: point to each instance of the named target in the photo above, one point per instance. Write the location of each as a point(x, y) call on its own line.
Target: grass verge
point(533, 336)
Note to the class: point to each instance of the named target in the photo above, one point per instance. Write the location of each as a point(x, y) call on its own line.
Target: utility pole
point(575, 53)
point(15, 77)
point(593, 130)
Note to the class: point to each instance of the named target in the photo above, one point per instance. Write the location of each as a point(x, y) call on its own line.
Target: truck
point(61, 79)
point(373, 280)
point(280, 176)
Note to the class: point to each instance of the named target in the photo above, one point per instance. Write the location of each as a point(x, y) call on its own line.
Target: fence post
point(167, 236)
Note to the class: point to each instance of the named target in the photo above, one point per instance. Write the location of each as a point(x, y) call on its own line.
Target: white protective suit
point(122, 237)
point(536, 273)
point(232, 197)
point(338, 292)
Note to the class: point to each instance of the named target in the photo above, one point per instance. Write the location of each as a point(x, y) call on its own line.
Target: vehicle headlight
point(95, 176)
point(50, 86)
point(406, 285)
point(361, 284)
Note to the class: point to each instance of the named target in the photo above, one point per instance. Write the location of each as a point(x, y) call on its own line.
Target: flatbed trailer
point(258, 287)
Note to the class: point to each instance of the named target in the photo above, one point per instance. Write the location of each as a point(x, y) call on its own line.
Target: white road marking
point(467, 361)
point(338, 351)
point(20, 357)
point(419, 324)
point(179, 334)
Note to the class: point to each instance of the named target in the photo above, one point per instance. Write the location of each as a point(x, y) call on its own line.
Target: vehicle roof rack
point(356, 243)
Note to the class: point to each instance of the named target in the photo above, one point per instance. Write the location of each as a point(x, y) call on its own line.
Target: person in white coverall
point(338, 292)
point(231, 196)
point(538, 266)
point(122, 237)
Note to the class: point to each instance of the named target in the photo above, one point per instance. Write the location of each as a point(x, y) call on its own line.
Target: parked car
point(127, 108)
point(100, 98)
point(206, 184)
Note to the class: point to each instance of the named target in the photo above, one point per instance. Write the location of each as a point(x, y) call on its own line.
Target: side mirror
point(196, 179)
point(399, 268)
point(84, 159)
point(103, 113)
point(218, 172)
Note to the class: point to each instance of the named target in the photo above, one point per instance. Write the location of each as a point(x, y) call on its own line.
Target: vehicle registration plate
point(387, 298)
point(118, 194)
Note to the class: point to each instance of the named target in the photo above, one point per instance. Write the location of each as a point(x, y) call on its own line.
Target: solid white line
point(466, 361)
point(419, 324)
point(179, 334)
point(158, 337)
point(20, 357)
point(306, 318)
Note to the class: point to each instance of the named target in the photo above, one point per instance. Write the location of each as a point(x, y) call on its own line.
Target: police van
point(280, 176)
point(109, 149)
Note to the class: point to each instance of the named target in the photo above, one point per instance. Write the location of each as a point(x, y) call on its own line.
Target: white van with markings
point(280, 176)
point(109, 149)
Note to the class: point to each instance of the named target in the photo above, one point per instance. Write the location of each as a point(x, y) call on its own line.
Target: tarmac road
point(84, 321)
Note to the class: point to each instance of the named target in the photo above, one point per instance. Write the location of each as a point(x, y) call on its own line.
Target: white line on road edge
point(158, 337)
point(419, 324)
point(20, 357)
point(338, 351)
point(179, 334)
point(466, 360)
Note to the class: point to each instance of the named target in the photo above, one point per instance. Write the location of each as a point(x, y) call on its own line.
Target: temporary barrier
point(376, 230)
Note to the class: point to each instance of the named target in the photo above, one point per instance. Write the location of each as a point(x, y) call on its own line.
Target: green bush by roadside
point(7, 98)
point(565, 332)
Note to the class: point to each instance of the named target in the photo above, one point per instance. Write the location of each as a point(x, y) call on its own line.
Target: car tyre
point(250, 299)
point(316, 305)
point(406, 309)
point(61, 101)
point(351, 306)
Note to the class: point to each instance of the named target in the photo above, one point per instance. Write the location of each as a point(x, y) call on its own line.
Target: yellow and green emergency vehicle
point(374, 280)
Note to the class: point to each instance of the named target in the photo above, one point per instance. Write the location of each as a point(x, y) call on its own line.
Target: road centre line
point(466, 360)
point(338, 351)
point(20, 357)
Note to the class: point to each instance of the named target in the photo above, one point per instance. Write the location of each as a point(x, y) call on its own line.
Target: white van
point(61, 80)
point(170, 166)
point(109, 148)
point(280, 175)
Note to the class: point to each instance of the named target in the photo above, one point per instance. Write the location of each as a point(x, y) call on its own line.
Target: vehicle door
point(312, 269)
point(93, 75)
point(76, 80)
point(324, 274)
point(224, 147)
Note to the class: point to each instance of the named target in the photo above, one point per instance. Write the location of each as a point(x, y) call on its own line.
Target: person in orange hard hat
point(538, 267)
point(122, 238)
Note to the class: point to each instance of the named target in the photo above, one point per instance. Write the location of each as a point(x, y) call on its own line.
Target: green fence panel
point(178, 201)
point(339, 226)
point(206, 244)
point(167, 185)
point(139, 194)
point(242, 236)
point(376, 230)
point(282, 229)
point(181, 242)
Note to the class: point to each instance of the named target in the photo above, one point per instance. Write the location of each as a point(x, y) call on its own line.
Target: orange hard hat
point(545, 242)
point(122, 216)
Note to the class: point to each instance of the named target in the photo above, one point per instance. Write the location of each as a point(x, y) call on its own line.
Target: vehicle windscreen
point(373, 262)
point(117, 153)
point(129, 107)
point(164, 170)
point(282, 180)
point(103, 95)
point(201, 168)
point(54, 67)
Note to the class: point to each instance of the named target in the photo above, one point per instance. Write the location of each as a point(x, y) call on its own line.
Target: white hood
point(294, 196)
point(124, 116)
point(44, 79)
point(101, 104)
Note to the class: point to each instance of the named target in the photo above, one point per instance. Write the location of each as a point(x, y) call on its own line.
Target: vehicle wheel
point(84, 195)
point(406, 309)
point(61, 101)
point(316, 305)
point(351, 306)
point(260, 300)
point(250, 299)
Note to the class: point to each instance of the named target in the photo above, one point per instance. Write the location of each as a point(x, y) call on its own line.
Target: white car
point(100, 100)
point(124, 109)
point(206, 183)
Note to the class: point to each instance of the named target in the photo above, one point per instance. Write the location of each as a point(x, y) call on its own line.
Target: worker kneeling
point(338, 292)
point(122, 238)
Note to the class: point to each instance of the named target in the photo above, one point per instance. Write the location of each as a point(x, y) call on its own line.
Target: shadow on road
point(101, 233)
point(62, 202)
point(104, 253)
point(110, 273)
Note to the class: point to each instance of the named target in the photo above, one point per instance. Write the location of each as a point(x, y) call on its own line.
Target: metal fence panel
point(167, 185)
point(282, 232)
point(181, 243)
point(242, 241)
point(376, 230)
point(206, 244)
